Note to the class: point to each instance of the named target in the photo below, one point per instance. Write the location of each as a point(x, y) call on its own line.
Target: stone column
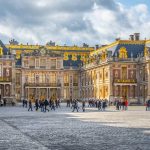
point(62, 85)
point(148, 95)
point(22, 84)
point(120, 91)
point(129, 91)
point(4, 90)
point(47, 92)
point(110, 83)
point(28, 94)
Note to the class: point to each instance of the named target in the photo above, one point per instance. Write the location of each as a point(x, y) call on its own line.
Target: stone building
point(118, 71)
point(48, 71)
point(115, 71)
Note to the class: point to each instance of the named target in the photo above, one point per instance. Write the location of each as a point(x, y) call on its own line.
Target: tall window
point(32, 62)
point(37, 78)
point(43, 63)
point(37, 62)
point(75, 92)
point(66, 93)
point(75, 79)
point(53, 64)
point(18, 78)
point(53, 77)
point(66, 78)
point(58, 64)
point(26, 63)
point(124, 72)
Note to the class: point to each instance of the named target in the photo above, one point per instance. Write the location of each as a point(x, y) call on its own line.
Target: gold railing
point(66, 84)
point(43, 84)
point(75, 84)
point(5, 79)
point(125, 80)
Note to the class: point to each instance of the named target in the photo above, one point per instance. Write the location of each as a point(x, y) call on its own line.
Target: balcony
point(32, 67)
point(71, 67)
point(125, 81)
point(5, 79)
point(43, 84)
point(75, 84)
point(66, 84)
point(53, 67)
point(42, 67)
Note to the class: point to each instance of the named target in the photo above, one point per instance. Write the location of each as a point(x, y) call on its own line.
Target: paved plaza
point(65, 130)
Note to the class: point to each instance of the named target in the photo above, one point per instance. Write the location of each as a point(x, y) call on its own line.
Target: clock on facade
point(43, 51)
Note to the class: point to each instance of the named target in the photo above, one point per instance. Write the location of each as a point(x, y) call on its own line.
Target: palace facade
point(115, 71)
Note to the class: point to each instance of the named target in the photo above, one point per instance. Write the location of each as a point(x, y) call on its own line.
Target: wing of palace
point(115, 71)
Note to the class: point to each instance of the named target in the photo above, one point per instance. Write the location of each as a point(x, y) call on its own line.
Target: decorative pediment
point(42, 51)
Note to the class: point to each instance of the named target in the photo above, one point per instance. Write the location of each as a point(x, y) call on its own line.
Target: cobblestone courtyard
point(64, 130)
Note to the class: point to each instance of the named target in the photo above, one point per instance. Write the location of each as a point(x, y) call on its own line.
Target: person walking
point(2, 102)
point(5, 101)
point(30, 105)
point(75, 105)
point(45, 105)
point(83, 106)
point(126, 104)
point(148, 105)
point(68, 103)
point(25, 103)
point(36, 105)
point(42, 105)
point(104, 105)
point(52, 106)
point(99, 105)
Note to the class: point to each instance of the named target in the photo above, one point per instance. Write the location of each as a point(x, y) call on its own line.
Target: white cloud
point(109, 24)
point(71, 22)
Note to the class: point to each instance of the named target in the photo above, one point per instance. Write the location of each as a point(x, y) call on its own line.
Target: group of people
point(101, 104)
point(44, 105)
point(147, 105)
point(121, 105)
point(74, 104)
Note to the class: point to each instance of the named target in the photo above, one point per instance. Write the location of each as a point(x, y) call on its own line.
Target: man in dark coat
point(36, 105)
point(46, 104)
point(30, 105)
point(83, 106)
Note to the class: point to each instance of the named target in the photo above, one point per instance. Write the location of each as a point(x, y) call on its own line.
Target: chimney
point(117, 39)
point(137, 36)
point(97, 47)
point(132, 37)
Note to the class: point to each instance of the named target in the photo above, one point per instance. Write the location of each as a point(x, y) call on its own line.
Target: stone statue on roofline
point(50, 43)
point(85, 45)
point(13, 42)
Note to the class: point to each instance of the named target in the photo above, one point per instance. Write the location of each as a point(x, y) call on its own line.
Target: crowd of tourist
point(43, 105)
point(121, 105)
point(75, 104)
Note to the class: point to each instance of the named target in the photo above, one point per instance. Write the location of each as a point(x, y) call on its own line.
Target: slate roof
point(132, 49)
point(73, 63)
point(5, 50)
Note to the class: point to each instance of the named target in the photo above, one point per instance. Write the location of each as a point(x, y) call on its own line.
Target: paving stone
point(64, 130)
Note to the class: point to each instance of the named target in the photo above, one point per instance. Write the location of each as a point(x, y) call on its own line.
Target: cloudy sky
point(73, 21)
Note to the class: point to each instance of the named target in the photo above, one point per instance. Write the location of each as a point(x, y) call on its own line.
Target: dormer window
point(123, 53)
